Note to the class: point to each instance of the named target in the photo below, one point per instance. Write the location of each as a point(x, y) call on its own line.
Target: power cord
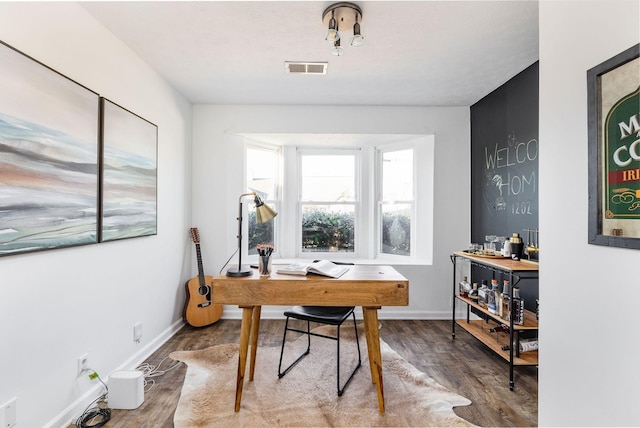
point(150, 371)
point(227, 262)
point(95, 417)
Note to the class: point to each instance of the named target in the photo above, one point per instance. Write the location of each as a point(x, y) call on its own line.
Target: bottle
point(506, 301)
point(499, 328)
point(518, 307)
point(525, 345)
point(499, 302)
point(464, 287)
point(482, 294)
point(473, 294)
point(491, 297)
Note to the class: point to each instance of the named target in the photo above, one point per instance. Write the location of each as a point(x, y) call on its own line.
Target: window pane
point(328, 178)
point(262, 175)
point(328, 228)
point(396, 229)
point(259, 233)
point(262, 168)
point(397, 176)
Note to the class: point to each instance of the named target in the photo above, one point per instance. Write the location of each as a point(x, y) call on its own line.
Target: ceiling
point(427, 53)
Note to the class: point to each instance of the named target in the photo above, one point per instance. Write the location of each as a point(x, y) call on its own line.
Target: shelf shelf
point(495, 341)
point(530, 321)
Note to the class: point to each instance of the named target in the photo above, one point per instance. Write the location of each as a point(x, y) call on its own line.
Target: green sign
point(622, 164)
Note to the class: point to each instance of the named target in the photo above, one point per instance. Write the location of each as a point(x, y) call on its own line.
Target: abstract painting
point(129, 174)
point(48, 157)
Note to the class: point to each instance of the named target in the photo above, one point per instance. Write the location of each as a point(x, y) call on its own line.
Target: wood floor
point(463, 365)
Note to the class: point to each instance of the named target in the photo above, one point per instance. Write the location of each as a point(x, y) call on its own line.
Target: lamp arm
point(240, 227)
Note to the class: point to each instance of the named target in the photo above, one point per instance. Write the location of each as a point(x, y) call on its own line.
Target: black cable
point(225, 265)
point(87, 418)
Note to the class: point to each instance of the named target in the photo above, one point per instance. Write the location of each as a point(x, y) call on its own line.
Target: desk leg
point(255, 331)
point(245, 330)
point(373, 344)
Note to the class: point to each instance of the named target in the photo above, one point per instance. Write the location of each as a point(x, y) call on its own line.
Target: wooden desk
point(368, 286)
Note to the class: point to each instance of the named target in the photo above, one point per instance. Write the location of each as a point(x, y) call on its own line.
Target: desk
point(368, 286)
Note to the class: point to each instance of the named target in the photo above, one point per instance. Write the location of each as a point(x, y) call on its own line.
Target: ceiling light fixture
point(357, 39)
point(337, 49)
point(342, 15)
point(332, 32)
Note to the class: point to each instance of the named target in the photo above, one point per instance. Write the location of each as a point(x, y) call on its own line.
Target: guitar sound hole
point(203, 289)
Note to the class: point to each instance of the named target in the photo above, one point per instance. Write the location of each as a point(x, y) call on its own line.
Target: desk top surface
point(361, 285)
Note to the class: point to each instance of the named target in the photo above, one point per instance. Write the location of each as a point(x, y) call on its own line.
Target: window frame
point(368, 239)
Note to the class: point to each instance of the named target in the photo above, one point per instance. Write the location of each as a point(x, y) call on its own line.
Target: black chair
point(332, 315)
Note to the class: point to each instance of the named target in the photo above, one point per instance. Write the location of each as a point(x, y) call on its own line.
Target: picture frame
point(128, 179)
point(614, 150)
point(48, 157)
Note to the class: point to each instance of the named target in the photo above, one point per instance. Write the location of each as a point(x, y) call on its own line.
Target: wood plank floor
point(463, 365)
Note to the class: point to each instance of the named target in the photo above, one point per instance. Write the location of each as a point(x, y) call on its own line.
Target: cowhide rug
point(307, 395)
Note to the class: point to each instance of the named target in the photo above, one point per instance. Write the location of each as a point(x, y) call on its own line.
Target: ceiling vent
point(294, 67)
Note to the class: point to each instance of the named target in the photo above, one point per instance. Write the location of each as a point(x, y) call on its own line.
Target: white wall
point(589, 373)
point(218, 181)
point(56, 305)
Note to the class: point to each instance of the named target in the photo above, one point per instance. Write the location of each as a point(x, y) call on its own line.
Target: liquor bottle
point(483, 291)
point(464, 287)
point(491, 297)
point(506, 301)
point(518, 307)
point(525, 345)
point(473, 294)
point(499, 328)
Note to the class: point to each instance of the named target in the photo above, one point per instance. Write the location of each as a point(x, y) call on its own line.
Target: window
point(357, 203)
point(396, 205)
point(262, 177)
point(328, 201)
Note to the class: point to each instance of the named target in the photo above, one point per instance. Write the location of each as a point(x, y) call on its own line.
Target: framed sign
point(614, 150)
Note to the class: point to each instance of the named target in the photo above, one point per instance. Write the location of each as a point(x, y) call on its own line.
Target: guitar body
point(198, 310)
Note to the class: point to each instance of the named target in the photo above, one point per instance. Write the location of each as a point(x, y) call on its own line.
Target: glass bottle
point(464, 287)
point(506, 301)
point(518, 307)
point(473, 294)
point(482, 294)
point(491, 297)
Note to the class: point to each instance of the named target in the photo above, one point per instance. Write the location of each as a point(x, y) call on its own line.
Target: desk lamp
point(264, 213)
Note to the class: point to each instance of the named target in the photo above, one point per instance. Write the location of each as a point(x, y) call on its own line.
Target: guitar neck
point(200, 269)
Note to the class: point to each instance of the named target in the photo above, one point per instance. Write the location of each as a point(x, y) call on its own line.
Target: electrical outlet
point(83, 363)
point(137, 332)
point(8, 414)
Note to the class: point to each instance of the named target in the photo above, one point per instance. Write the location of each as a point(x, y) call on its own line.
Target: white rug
point(307, 396)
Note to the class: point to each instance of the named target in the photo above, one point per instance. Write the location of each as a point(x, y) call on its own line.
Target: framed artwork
point(48, 157)
point(614, 150)
point(128, 174)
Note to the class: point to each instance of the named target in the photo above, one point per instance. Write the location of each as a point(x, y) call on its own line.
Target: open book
point(320, 267)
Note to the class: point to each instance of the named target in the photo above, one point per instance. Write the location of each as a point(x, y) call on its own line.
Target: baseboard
point(69, 415)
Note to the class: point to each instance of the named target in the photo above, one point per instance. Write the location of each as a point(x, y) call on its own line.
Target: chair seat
point(332, 315)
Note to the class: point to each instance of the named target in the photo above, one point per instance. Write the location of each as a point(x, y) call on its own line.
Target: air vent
point(306, 67)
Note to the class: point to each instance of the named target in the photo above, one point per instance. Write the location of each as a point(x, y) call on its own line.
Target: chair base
point(309, 333)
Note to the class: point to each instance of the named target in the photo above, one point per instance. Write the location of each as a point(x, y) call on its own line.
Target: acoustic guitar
point(199, 310)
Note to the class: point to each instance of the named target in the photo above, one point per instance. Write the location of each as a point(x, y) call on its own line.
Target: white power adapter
point(126, 389)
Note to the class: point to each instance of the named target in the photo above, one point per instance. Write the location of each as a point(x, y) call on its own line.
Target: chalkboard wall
point(504, 166)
